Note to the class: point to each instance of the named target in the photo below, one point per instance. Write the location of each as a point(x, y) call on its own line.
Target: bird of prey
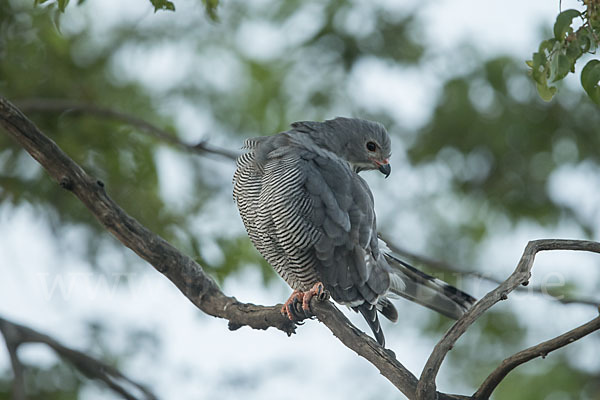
point(312, 217)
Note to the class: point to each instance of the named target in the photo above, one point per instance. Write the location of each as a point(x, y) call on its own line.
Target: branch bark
point(426, 389)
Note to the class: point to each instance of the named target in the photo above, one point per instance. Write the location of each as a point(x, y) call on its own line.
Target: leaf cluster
point(556, 57)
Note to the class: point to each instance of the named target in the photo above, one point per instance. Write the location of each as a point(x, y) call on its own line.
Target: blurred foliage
point(560, 379)
point(502, 146)
point(159, 5)
point(557, 56)
point(57, 382)
point(113, 152)
point(497, 143)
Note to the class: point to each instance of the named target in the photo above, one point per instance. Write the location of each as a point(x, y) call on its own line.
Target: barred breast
point(275, 210)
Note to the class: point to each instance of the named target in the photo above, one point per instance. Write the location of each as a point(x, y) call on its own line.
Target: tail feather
point(428, 291)
point(387, 309)
point(369, 312)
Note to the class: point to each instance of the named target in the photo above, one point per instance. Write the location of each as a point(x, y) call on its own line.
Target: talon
point(289, 307)
point(297, 307)
point(317, 291)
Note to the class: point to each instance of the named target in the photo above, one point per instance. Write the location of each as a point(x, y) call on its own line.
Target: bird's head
point(365, 144)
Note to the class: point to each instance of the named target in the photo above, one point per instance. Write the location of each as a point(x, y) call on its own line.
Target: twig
point(184, 272)
point(540, 350)
point(68, 106)
point(17, 335)
point(445, 266)
point(426, 387)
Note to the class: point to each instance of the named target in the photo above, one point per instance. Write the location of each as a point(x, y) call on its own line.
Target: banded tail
point(428, 291)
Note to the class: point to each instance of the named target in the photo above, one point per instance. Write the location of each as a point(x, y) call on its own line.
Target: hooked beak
point(385, 168)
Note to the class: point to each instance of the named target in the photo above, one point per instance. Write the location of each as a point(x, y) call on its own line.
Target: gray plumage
point(311, 216)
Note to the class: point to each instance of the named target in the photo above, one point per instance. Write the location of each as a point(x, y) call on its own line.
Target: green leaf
point(584, 41)
point(546, 92)
point(562, 67)
point(163, 5)
point(574, 50)
point(62, 4)
point(563, 23)
point(538, 59)
point(590, 75)
point(546, 46)
point(529, 63)
point(540, 68)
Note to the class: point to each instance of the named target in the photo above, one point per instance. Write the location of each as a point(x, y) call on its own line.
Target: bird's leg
point(290, 308)
point(317, 290)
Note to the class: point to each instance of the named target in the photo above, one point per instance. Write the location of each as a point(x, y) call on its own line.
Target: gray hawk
point(312, 217)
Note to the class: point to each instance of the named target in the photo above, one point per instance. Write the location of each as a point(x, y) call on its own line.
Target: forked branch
point(426, 388)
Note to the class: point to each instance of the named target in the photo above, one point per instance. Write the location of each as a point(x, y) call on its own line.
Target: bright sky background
point(53, 290)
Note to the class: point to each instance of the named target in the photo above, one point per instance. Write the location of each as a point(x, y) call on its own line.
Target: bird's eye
point(371, 146)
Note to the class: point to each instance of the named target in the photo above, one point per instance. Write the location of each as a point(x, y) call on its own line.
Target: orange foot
point(289, 308)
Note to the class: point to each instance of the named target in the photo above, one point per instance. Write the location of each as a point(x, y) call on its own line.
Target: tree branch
point(17, 334)
point(426, 386)
point(540, 350)
point(444, 266)
point(363, 345)
point(184, 272)
point(68, 106)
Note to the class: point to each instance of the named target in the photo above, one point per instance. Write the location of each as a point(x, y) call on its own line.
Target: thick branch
point(540, 350)
point(17, 335)
point(186, 274)
point(426, 387)
point(60, 105)
point(383, 359)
